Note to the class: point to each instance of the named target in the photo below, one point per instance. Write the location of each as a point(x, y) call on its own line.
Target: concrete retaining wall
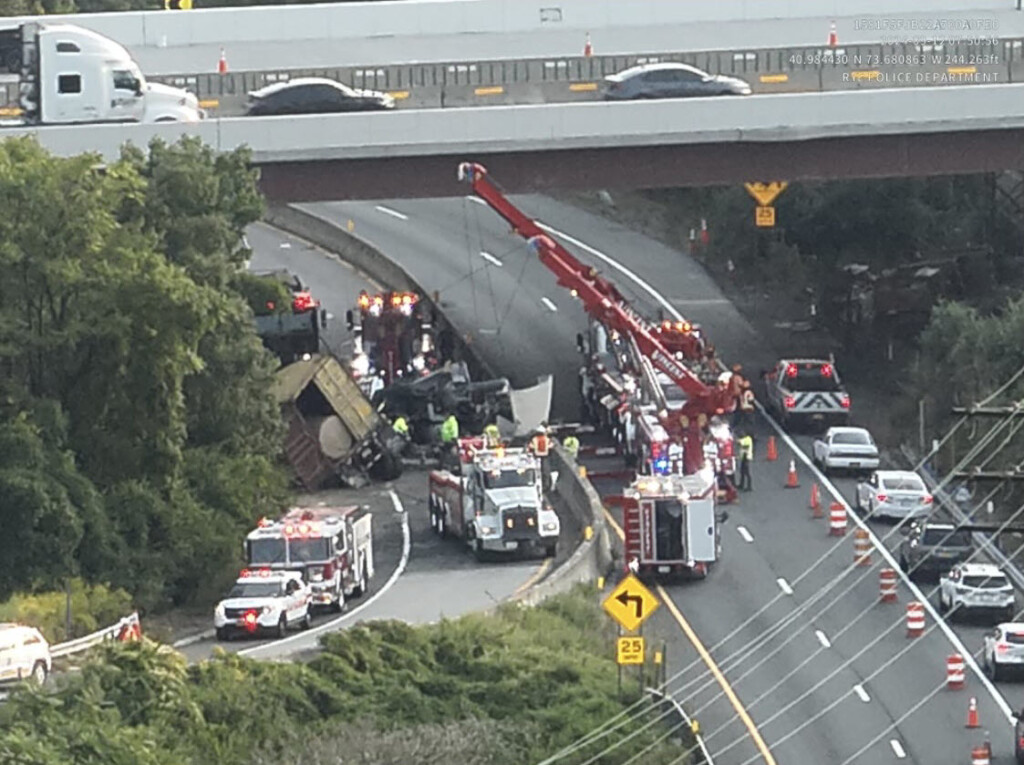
point(594, 555)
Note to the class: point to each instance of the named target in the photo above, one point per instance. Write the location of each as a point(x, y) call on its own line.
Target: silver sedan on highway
point(894, 494)
point(670, 80)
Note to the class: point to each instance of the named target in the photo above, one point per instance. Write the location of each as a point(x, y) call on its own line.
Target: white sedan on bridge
point(846, 448)
point(895, 494)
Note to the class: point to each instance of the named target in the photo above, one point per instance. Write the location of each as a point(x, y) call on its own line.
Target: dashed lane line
point(784, 586)
point(392, 213)
point(549, 305)
point(823, 639)
point(747, 536)
point(861, 693)
point(490, 259)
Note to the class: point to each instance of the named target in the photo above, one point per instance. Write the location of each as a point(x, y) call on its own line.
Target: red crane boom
point(605, 303)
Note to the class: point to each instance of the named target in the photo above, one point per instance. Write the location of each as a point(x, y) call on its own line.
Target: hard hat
point(725, 378)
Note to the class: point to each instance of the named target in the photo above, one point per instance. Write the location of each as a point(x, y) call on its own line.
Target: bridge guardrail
point(112, 632)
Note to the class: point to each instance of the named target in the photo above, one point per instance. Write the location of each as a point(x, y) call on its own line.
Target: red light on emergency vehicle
point(408, 298)
point(826, 370)
point(364, 300)
point(666, 324)
point(789, 402)
point(249, 620)
point(396, 300)
point(845, 402)
point(244, 573)
point(791, 370)
point(302, 301)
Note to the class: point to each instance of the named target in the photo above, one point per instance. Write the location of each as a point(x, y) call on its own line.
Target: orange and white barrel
point(915, 619)
point(861, 548)
point(980, 756)
point(955, 672)
point(887, 585)
point(836, 520)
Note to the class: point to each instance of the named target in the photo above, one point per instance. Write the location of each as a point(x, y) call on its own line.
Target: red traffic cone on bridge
point(588, 49)
point(773, 452)
point(222, 63)
point(833, 36)
point(972, 714)
point(791, 481)
point(816, 511)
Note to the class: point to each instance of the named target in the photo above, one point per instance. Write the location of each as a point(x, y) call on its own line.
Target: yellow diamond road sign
point(765, 193)
point(630, 604)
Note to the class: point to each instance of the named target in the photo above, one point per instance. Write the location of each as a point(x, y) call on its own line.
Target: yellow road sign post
point(630, 604)
point(764, 217)
point(630, 650)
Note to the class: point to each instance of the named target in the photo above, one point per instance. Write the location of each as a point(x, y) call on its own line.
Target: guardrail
point(988, 544)
point(112, 632)
point(700, 757)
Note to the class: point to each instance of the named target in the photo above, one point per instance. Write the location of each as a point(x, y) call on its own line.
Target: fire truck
point(332, 547)
point(686, 425)
point(496, 501)
point(393, 336)
point(671, 524)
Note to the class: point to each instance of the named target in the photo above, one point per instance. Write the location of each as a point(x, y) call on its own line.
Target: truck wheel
point(387, 468)
point(550, 551)
point(478, 550)
point(282, 627)
point(39, 673)
point(223, 634)
point(307, 621)
point(339, 601)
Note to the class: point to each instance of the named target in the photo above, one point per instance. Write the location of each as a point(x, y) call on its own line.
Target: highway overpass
point(884, 133)
point(439, 30)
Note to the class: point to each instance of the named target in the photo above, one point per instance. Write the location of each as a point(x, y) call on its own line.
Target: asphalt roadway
point(562, 42)
point(419, 578)
point(809, 654)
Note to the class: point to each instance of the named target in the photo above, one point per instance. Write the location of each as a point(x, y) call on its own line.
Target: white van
point(24, 654)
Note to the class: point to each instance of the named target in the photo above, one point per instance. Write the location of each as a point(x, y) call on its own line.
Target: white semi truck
point(67, 75)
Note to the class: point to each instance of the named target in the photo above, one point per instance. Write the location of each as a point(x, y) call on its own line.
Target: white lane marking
point(335, 623)
point(861, 693)
point(478, 200)
point(823, 639)
point(897, 747)
point(882, 550)
point(392, 213)
point(747, 536)
point(784, 586)
point(490, 259)
point(549, 305)
point(286, 245)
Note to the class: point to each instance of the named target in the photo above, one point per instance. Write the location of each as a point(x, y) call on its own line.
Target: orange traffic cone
point(588, 49)
point(833, 36)
point(222, 64)
point(972, 714)
point(791, 482)
point(773, 453)
point(816, 511)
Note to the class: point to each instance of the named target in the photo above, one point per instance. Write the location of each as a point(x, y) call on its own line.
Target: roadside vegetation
point(138, 436)
point(504, 689)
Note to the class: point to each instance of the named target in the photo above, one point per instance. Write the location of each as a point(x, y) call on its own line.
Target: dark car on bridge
point(670, 80)
point(315, 95)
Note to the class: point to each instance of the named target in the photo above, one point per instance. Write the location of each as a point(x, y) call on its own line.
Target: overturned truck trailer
point(333, 432)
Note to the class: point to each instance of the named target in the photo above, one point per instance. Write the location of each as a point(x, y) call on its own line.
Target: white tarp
point(530, 407)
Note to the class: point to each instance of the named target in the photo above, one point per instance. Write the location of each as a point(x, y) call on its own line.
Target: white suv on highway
point(976, 587)
point(264, 601)
point(24, 654)
point(1004, 649)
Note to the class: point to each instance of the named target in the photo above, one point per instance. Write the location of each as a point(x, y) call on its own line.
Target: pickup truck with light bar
point(807, 392)
point(330, 547)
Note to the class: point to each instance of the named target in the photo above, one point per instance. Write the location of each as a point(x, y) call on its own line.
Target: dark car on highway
point(932, 549)
point(669, 80)
point(315, 95)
